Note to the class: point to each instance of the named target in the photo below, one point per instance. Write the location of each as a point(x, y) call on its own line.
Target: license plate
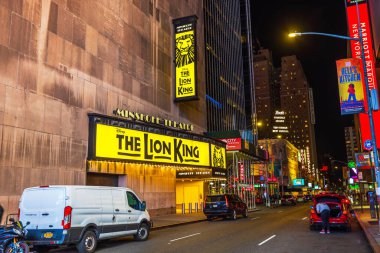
point(214, 205)
point(48, 235)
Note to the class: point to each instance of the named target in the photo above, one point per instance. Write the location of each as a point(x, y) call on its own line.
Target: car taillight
point(66, 222)
point(345, 212)
point(226, 201)
point(312, 211)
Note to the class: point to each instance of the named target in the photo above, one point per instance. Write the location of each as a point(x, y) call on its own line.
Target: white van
point(82, 215)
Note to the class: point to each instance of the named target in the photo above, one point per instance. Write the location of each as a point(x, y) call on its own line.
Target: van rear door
point(43, 207)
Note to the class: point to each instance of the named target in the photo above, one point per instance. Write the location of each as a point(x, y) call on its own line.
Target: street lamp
point(369, 94)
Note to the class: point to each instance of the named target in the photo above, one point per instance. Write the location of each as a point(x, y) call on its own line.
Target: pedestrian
point(324, 210)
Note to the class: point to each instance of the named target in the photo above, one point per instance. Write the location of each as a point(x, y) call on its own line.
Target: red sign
point(325, 168)
point(365, 25)
point(241, 171)
point(232, 143)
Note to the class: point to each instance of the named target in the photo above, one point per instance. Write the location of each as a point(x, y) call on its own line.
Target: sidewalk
point(171, 220)
point(370, 227)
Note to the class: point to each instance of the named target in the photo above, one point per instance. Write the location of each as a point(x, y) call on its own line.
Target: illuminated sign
point(133, 145)
point(232, 143)
point(151, 119)
point(241, 171)
point(353, 27)
point(350, 82)
point(299, 182)
point(185, 59)
point(279, 122)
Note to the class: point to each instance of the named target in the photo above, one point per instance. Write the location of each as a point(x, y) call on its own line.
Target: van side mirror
point(143, 206)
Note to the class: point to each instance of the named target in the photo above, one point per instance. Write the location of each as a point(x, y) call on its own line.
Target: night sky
point(273, 20)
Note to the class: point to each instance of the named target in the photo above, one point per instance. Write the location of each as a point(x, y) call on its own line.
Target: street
point(282, 229)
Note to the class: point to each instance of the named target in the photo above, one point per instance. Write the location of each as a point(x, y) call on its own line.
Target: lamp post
point(369, 95)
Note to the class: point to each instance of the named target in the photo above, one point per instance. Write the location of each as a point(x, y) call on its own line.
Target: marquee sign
point(112, 142)
point(185, 59)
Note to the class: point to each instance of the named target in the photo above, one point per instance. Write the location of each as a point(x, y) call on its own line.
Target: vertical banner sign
point(185, 59)
point(353, 26)
point(350, 84)
point(241, 171)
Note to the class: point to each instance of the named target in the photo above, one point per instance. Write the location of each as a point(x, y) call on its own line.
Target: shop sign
point(232, 143)
point(216, 172)
point(362, 159)
point(241, 171)
point(152, 119)
point(185, 46)
point(133, 145)
point(193, 173)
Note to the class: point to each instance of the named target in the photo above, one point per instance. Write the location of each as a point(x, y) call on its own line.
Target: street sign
point(368, 145)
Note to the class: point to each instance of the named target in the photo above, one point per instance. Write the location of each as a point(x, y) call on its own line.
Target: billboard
point(353, 27)
point(232, 143)
point(185, 87)
point(112, 142)
point(298, 182)
point(350, 83)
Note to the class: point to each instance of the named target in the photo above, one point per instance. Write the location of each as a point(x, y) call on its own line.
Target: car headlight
point(17, 231)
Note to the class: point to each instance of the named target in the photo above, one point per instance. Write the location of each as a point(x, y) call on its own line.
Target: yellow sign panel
point(126, 144)
point(218, 156)
point(185, 61)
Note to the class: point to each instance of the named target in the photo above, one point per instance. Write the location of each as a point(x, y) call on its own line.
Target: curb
point(374, 245)
point(187, 222)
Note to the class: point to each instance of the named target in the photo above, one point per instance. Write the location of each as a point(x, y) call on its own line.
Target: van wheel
point(88, 243)
point(142, 233)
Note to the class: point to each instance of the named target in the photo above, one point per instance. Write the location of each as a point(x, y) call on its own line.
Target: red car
point(340, 213)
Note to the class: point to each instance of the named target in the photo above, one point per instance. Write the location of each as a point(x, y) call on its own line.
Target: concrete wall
point(60, 59)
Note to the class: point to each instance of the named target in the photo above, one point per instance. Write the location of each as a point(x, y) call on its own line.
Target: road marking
point(280, 211)
point(261, 243)
point(255, 218)
point(184, 237)
point(304, 218)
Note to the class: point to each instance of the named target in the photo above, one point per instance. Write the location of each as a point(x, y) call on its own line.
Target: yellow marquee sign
point(185, 59)
point(127, 144)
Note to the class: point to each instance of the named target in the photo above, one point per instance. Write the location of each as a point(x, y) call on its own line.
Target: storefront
point(167, 167)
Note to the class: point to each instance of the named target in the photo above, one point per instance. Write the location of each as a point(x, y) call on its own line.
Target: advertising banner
point(350, 82)
point(126, 144)
point(232, 143)
point(353, 27)
point(298, 182)
point(185, 59)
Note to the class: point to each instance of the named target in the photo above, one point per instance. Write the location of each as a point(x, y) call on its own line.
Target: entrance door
point(190, 195)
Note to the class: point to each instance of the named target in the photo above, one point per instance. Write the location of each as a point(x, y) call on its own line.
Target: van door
point(119, 210)
point(107, 219)
point(134, 212)
point(43, 207)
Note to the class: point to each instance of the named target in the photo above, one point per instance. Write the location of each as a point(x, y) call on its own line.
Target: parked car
point(340, 211)
point(82, 215)
point(224, 205)
point(288, 199)
point(308, 197)
point(301, 198)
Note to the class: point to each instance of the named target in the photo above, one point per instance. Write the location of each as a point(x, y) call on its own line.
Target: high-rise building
point(264, 91)
point(297, 103)
point(351, 143)
point(225, 93)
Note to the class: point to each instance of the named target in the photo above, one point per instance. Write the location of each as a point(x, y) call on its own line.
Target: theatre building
point(164, 166)
point(65, 69)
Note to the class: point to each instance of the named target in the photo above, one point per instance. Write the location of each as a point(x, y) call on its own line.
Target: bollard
point(196, 207)
point(183, 208)
point(190, 208)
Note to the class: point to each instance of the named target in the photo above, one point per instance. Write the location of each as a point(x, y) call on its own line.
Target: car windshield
point(215, 198)
point(328, 199)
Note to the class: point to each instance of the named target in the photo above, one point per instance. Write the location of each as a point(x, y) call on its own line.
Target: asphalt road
point(278, 230)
